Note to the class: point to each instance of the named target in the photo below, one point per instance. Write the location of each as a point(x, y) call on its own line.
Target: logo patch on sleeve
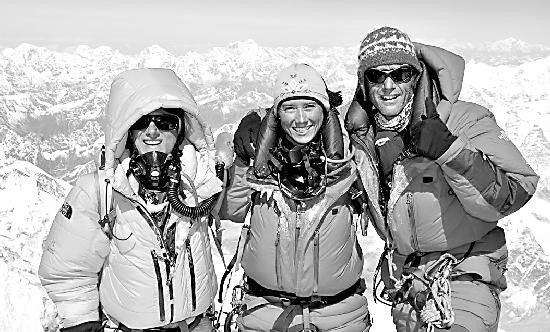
point(66, 210)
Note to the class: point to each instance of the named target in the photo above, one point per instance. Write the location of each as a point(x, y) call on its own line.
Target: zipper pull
point(278, 238)
point(171, 276)
point(166, 257)
point(300, 209)
point(406, 154)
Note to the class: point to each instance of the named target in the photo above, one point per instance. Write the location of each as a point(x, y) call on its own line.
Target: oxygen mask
point(301, 170)
point(151, 169)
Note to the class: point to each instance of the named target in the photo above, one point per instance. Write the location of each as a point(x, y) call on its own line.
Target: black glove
point(84, 327)
point(244, 140)
point(430, 137)
point(356, 120)
point(267, 139)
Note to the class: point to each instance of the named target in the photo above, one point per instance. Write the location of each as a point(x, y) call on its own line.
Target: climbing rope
point(434, 303)
point(438, 312)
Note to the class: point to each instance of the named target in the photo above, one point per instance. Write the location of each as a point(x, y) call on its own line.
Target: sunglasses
point(398, 75)
point(163, 122)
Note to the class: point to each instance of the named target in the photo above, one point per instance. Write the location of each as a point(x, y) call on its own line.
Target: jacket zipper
point(165, 257)
point(170, 290)
point(277, 241)
point(191, 273)
point(316, 262)
point(159, 285)
point(147, 216)
point(410, 208)
point(299, 212)
point(143, 211)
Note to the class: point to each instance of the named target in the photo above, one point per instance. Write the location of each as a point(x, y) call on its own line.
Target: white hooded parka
point(139, 286)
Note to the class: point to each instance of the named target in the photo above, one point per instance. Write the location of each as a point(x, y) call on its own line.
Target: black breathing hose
point(193, 212)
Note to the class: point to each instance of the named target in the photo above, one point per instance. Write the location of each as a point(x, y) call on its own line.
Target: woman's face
point(156, 131)
point(301, 119)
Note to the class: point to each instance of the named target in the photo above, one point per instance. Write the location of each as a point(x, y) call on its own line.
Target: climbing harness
point(237, 305)
point(434, 302)
point(238, 290)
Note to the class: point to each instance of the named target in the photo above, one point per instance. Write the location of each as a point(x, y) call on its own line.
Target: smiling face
point(390, 97)
point(301, 119)
point(157, 131)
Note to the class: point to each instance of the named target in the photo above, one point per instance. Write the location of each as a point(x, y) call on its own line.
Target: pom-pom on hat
point(300, 80)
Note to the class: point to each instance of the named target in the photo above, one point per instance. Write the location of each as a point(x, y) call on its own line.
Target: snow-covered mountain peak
point(512, 44)
point(245, 45)
point(156, 57)
point(155, 51)
point(23, 50)
point(92, 53)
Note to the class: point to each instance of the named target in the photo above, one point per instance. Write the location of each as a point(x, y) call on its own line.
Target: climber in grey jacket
point(440, 175)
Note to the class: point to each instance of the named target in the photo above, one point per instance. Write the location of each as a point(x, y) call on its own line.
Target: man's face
point(301, 119)
point(390, 96)
point(156, 131)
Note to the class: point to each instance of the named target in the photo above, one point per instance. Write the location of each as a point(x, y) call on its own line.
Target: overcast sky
point(180, 25)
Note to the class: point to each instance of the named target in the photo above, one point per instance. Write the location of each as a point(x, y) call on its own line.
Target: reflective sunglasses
point(162, 122)
point(398, 75)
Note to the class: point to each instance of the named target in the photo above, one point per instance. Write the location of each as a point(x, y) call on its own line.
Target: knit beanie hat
point(386, 46)
point(300, 80)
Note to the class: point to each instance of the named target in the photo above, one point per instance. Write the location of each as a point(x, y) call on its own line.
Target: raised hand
point(356, 120)
point(430, 137)
point(267, 138)
point(224, 149)
point(245, 138)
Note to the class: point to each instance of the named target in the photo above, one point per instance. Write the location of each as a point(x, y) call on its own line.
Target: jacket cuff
point(458, 145)
point(76, 313)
